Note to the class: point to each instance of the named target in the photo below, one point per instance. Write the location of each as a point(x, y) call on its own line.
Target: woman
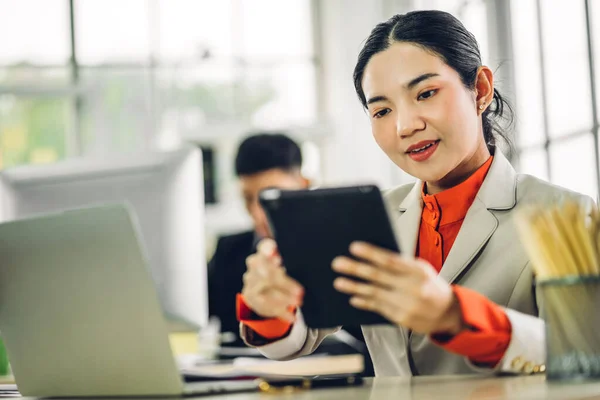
point(465, 301)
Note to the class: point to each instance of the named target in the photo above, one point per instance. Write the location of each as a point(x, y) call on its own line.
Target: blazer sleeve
point(526, 351)
point(300, 341)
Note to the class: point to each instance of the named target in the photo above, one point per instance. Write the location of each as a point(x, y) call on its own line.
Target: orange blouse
point(489, 331)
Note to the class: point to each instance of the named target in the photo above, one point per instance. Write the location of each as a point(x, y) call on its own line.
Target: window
point(116, 110)
point(38, 32)
point(557, 126)
point(534, 162)
point(285, 94)
point(565, 54)
point(35, 97)
point(147, 73)
point(528, 82)
point(275, 37)
point(189, 30)
point(32, 129)
point(574, 165)
point(112, 32)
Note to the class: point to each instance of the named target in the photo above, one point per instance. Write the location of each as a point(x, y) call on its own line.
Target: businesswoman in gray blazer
point(462, 294)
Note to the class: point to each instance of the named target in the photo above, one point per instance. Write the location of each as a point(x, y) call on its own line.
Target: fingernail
point(267, 246)
point(356, 246)
point(337, 262)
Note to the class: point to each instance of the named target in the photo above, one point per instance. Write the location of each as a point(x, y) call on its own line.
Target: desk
point(448, 387)
point(436, 387)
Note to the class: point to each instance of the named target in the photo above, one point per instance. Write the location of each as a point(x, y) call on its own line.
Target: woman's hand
point(268, 290)
point(406, 291)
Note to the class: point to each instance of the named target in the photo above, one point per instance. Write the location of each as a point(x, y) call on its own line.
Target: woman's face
point(422, 115)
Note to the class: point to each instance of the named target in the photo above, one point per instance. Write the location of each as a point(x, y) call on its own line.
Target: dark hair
point(261, 152)
point(445, 36)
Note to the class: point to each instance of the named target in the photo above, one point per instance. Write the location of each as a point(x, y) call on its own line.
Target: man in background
point(262, 161)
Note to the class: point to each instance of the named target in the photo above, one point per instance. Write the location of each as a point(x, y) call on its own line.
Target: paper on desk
point(238, 351)
point(305, 366)
point(9, 390)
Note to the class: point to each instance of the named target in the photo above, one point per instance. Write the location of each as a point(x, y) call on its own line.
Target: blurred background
point(91, 78)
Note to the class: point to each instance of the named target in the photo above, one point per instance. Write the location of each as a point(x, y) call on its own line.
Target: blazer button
point(528, 367)
point(517, 363)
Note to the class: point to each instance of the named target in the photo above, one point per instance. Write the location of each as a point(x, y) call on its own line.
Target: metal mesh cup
point(571, 309)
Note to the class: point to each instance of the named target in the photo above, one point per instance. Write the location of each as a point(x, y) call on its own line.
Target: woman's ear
point(484, 88)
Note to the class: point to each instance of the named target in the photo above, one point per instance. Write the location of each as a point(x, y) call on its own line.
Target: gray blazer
point(487, 256)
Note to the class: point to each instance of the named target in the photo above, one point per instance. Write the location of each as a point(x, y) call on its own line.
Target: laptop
point(79, 311)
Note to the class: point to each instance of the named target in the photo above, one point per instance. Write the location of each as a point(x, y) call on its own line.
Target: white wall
point(349, 153)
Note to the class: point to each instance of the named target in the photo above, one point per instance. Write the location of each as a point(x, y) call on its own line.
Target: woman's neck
point(459, 174)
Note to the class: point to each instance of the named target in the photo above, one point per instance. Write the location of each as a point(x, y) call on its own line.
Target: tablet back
point(311, 228)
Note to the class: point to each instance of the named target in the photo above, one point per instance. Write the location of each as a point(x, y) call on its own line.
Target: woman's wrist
point(451, 321)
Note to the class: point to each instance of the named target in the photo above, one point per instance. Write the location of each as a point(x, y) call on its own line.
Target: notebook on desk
point(304, 367)
point(79, 312)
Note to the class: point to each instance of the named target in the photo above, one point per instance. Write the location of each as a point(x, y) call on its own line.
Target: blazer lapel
point(480, 223)
point(408, 223)
point(477, 228)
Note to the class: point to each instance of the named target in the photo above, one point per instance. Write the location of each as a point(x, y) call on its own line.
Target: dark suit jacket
point(225, 273)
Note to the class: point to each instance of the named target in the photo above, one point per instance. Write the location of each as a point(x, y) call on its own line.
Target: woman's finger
point(277, 305)
point(267, 247)
point(259, 278)
point(281, 299)
point(384, 258)
point(381, 305)
point(351, 287)
point(281, 281)
point(364, 303)
point(256, 288)
point(364, 271)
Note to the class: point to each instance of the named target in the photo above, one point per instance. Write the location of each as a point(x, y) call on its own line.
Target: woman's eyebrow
point(375, 99)
point(414, 82)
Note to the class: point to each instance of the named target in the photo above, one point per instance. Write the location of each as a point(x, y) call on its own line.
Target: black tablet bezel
point(311, 227)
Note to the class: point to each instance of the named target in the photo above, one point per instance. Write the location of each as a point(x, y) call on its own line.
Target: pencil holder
point(571, 309)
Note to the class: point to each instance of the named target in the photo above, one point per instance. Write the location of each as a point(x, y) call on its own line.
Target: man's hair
point(265, 151)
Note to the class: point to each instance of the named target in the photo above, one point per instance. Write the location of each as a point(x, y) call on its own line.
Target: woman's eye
point(381, 113)
point(427, 94)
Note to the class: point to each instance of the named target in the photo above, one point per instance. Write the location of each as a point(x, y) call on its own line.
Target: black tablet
point(311, 228)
